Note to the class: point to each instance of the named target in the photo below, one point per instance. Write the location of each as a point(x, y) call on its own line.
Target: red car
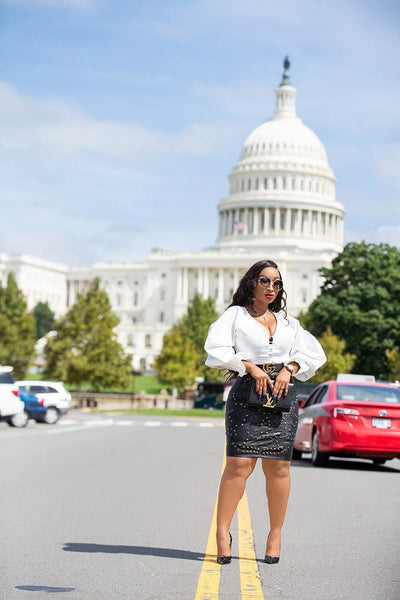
point(350, 419)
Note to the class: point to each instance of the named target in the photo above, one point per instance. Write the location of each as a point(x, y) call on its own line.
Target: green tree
point(17, 329)
point(360, 300)
point(176, 364)
point(338, 360)
point(85, 348)
point(194, 325)
point(44, 319)
point(393, 364)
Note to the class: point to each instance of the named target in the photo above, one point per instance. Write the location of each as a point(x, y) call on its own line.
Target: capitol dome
point(282, 190)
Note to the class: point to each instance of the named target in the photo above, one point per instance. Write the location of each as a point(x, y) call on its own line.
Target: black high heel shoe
point(271, 560)
point(225, 560)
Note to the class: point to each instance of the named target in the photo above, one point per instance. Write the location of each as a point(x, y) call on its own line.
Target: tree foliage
point(184, 344)
point(176, 364)
point(194, 325)
point(338, 360)
point(360, 301)
point(85, 348)
point(393, 364)
point(17, 329)
point(44, 319)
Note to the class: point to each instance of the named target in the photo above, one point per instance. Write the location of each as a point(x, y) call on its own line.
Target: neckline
point(266, 329)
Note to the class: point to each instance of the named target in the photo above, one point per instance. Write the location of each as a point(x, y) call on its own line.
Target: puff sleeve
point(306, 351)
point(220, 343)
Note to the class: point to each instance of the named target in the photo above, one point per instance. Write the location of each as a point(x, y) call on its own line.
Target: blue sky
point(120, 121)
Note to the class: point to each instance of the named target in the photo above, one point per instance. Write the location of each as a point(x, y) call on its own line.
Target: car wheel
point(318, 459)
point(52, 415)
point(379, 461)
point(296, 454)
point(19, 420)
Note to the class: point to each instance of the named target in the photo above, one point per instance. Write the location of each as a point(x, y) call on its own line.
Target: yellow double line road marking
point(250, 582)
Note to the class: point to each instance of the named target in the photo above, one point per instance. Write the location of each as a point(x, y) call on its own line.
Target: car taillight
point(16, 393)
point(345, 412)
point(40, 401)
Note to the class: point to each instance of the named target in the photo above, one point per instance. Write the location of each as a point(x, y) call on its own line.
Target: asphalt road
point(120, 508)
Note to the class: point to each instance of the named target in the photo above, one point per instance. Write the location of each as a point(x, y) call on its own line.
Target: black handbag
point(269, 400)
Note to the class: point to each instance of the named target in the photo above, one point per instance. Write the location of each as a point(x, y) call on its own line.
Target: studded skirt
point(258, 432)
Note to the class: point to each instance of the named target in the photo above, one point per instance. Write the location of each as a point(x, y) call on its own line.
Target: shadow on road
point(44, 588)
point(345, 464)
point(141, 550)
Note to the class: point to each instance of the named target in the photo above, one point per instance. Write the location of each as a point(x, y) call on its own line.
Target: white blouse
point(237, 336)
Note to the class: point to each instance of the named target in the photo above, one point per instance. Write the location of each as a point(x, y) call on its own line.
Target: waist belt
point(269, 367)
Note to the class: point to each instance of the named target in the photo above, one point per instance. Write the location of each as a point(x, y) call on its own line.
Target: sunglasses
point(265, 281)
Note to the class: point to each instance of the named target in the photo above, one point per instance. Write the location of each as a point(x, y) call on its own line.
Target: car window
point(50, 390)
point(6, 378)
point(313, 399)
point(368, 393)
point(37, 389)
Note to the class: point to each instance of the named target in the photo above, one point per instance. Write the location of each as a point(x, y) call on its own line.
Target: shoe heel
point(225, 560)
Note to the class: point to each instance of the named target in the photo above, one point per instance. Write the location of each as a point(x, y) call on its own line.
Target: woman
point(255, 337)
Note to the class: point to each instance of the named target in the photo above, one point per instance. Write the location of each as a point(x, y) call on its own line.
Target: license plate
point(381, 423)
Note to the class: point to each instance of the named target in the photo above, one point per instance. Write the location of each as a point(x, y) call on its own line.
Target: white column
point(235, 280)
point(246, 221)
point(200, 281)
point(256, 223)
point(266, 221)
point(288, 221)
point(185, 285)
point(319, 224)
point(205, 282)
point(277, 221)
point(220, 297)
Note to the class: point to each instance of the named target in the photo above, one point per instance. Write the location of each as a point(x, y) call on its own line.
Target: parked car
point(56, 399)
point(350, 419)
point(303, 390)
point(34, 407)
point(12, 409)
point(209, 394)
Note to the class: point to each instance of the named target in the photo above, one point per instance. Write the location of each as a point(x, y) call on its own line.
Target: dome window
point(242, 187)
point(249, 185)
point(284, 183)
point(256, 184)
point(275, 183)
point(266, 183)
point(293, 184)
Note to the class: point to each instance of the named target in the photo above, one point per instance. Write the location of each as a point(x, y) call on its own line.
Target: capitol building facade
point(281, 205)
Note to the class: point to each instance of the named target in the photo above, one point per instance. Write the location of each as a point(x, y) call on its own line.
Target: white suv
point(56, 399)
point(12, 409)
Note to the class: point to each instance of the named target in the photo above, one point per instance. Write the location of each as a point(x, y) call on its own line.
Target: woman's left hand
point(281, 385)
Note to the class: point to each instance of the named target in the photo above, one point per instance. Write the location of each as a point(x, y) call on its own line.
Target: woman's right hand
point(263, 381)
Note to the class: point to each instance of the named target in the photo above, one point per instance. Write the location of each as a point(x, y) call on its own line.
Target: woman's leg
point(231, 489)
point(277, 477)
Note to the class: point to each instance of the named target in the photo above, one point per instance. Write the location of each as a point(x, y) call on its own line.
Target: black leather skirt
point(258, 432)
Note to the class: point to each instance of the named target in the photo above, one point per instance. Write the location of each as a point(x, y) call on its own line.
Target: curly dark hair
point(244, 295)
